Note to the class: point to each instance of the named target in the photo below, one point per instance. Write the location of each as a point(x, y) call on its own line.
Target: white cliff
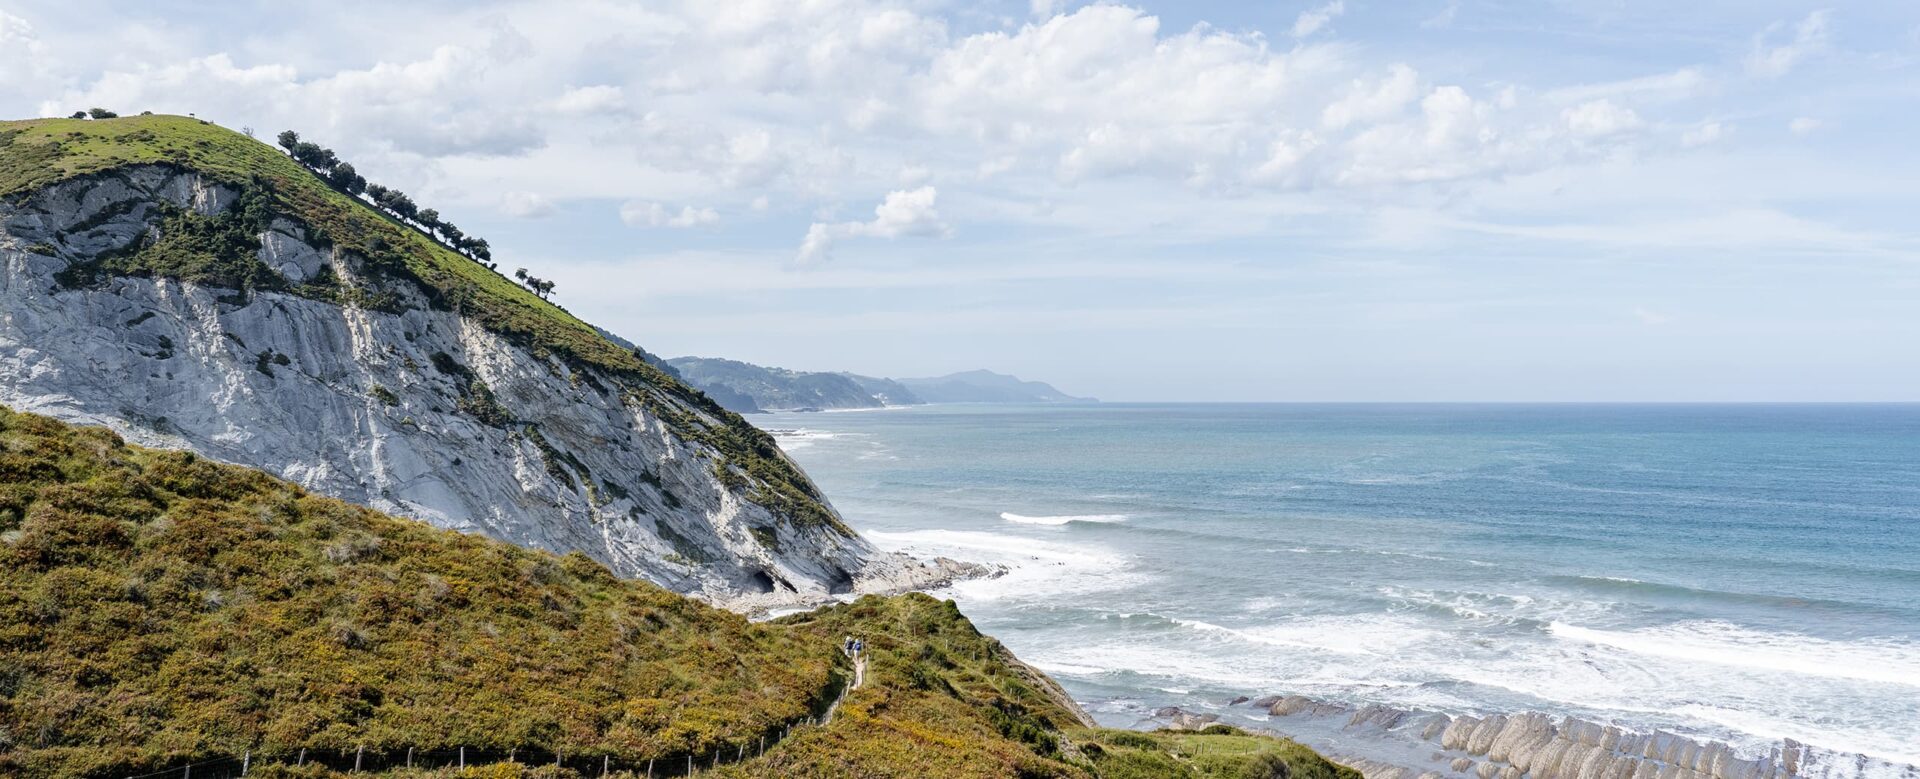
point(407, 408)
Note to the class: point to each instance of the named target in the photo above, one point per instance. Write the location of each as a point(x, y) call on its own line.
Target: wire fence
point(363, 760)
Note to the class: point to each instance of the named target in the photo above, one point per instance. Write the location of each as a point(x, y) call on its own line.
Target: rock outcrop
point(390, 397)
point(1389, 743)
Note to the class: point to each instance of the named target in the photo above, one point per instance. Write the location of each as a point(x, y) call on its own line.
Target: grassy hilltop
point(158, 608)
point(37, 153)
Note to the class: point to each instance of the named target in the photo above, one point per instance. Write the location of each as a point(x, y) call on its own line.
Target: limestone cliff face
point(405, 407)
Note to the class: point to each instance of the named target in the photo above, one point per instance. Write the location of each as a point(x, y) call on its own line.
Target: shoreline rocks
point(1384, 742)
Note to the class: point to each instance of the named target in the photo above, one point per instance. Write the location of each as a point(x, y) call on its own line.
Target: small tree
point(101, 113)
point(315, 156)
point(288, 140)
point(348, 181)
point(520, 273)
point(78, 115)
point(430, 218)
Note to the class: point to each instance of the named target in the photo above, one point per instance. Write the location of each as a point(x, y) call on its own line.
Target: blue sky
point(1354, 200)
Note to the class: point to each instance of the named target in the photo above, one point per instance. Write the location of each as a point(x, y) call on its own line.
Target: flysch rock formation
point(1389, 743)
point(377, 406)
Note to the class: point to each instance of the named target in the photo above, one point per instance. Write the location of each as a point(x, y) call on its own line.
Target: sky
point(1444, 200)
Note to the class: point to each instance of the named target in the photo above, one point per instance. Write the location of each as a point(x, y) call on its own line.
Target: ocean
point(1744, 573)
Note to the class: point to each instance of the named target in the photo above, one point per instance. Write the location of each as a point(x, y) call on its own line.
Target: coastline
point(909, 574)
point(1385, 742)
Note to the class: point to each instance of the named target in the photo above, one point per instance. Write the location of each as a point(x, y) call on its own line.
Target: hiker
point(857, 646)
point(846, 646)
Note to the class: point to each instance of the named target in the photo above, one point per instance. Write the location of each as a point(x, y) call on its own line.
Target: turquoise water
point(1746, 573)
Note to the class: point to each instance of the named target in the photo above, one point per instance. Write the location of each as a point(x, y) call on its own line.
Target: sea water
point(1745, 573)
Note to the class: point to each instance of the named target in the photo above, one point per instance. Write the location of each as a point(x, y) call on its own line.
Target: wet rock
point(1187, 720)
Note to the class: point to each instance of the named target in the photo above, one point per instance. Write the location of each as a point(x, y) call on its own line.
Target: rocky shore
point(1389, 743)
point(911, 575)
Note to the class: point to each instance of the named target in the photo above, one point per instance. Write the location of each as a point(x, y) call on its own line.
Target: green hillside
point(37, 153)
point(157, 608)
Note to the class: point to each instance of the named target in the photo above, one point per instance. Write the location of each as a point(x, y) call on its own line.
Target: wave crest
point(1062, 519)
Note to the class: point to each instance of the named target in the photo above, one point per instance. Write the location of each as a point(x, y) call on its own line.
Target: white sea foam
point(1037, 570)
point(801, 438)
point(1724, 643)
point(1062, 519)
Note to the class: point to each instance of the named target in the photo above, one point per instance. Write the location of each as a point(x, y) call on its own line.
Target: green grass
point(37, 153)
point(156, 607)
point(1123, 754)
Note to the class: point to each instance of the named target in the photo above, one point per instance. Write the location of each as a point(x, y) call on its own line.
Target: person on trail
point(846, 646)
point(857, 646)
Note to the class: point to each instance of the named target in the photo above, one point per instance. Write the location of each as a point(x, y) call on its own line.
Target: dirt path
point(859, 678)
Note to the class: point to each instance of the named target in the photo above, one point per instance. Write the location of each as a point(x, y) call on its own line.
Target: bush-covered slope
point(157, 608)
point(38, 153)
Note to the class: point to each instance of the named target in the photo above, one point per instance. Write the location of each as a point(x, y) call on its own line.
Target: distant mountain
point(749, 388)
point(888, 391)
point(746, 387)
point(986, 387)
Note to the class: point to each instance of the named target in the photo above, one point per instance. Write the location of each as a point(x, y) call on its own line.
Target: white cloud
point(1311, 21)
point(588, 100)
point(1445, 18)
point(1703, 134)
point(526, 205)
point(818, 102)
point(1378, 101)
point(915, 175)
point(1810, 37)
point(1682, 83)
point(644, 214)
point(1600, 117)
point(1803, 125)
point(902, 213)
point(1045, 8)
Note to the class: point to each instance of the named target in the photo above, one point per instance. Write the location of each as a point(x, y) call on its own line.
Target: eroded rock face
point(1388, 743)
point(421, 412)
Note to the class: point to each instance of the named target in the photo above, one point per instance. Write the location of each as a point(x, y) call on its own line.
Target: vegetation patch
point(157, 607)
point(219, 251)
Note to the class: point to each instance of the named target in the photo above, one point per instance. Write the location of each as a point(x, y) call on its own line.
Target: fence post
point(649, 768)
point(605, 759)
point(689, 763)
point(463, 757)
point(188, 771)
point(303, 757)
point(246, 762)
point(357, 753)
point(409, 757)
